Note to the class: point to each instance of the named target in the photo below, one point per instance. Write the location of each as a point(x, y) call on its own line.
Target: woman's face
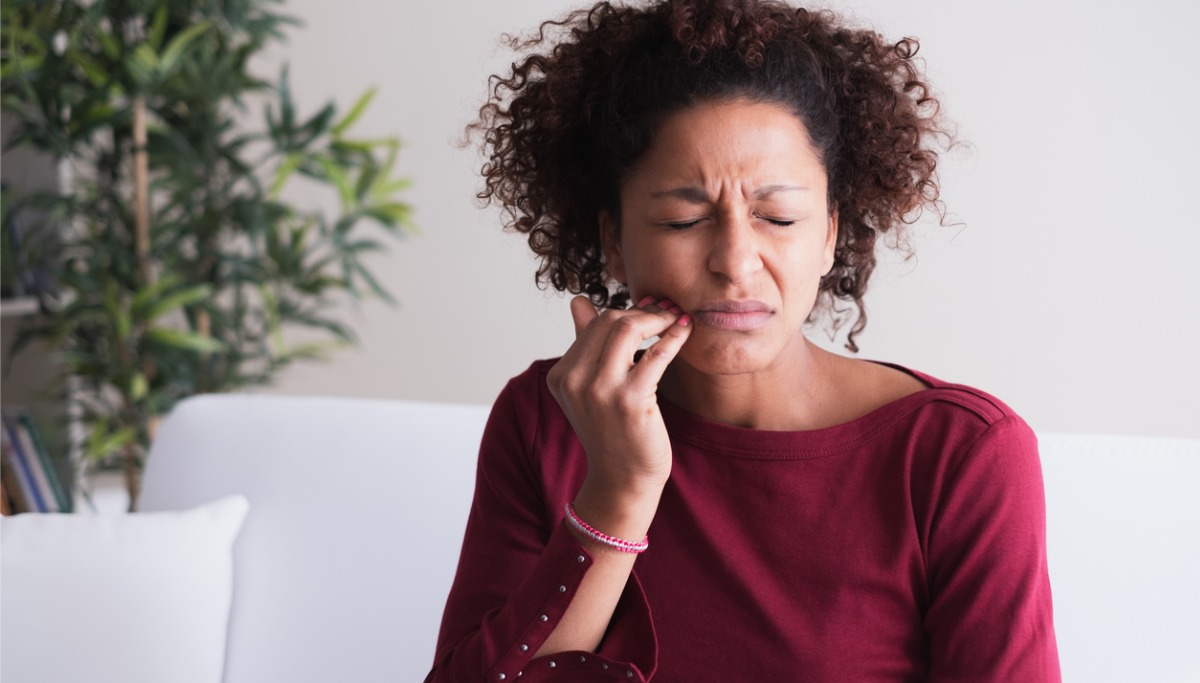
point(726, 215)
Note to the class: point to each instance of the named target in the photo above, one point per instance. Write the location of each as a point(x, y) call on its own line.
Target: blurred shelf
point(15, 308)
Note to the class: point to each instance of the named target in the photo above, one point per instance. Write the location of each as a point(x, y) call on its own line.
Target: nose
point(734, 252)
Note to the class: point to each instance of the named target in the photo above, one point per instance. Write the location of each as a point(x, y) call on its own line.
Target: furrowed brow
point(692, 195)
point(768, 190)
point(696, 195)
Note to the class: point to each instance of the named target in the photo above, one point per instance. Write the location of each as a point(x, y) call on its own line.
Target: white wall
point(1072, 291)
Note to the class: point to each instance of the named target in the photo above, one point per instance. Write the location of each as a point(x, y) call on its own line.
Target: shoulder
point(526, 401)
point(972, 429)
point(913, 405)
point(951, 400)
point(530, 384)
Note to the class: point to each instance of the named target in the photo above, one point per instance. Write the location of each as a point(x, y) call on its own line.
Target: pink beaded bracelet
point(601, 537)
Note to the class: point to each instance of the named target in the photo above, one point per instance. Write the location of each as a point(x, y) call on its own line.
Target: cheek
point(643, 260)
point(644, 272)
point(664, 272)
point(806, 264)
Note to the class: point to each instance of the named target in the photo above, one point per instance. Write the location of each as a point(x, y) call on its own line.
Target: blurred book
point(38, 482)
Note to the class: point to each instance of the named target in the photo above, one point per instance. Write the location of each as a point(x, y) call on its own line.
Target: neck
point(789, 394)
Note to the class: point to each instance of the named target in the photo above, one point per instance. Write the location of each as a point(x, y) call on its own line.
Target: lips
point(738, 316)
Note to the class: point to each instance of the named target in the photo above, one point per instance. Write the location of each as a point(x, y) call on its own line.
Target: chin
point(724, 357)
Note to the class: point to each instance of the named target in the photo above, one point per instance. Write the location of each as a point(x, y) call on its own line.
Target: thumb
point(583, 313)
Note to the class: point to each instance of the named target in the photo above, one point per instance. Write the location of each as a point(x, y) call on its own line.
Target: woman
point(804, 516)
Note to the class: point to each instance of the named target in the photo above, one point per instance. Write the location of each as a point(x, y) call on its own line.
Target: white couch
point(357, 509)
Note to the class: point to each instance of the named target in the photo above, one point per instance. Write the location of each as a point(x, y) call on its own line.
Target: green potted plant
point(177, 263)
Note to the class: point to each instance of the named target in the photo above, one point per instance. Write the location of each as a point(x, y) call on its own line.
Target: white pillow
point(134, 598)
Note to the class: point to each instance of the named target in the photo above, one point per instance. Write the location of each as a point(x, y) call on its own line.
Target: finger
point(591, 333)
point(646, 303)
point(583, 313)
point(627, 334)
point(592, 328)
point(653, 303)
point(658, 356)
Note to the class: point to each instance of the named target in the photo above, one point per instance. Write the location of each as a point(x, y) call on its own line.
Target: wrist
point(622, 512)
point(587, 532)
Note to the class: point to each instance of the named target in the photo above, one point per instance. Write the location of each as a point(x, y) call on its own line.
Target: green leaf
point(142, 65)
point(170, 56)
point(178, 300)
point(310, 351)
point(117, 314)
point(287, 111)
point(271, 315)
point(311, 129)
point(286, 169)
point(24, 65)
point(355, 112)
point(391, 214)
point(383, 190)
point(101, 444)
point(184, 340)
point(110, 44)
point(368, 176)
point(97, 75)
point(373, 283)
point(337, 175)
point(146, 295)
point(345, 146)
point(369, 144)
point(139, 386)
point(158, 27)
point(363, 246)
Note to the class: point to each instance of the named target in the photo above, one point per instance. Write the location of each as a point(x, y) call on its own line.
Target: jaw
point(720, 353)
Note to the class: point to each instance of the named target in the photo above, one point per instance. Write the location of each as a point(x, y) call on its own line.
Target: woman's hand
point(612, 403)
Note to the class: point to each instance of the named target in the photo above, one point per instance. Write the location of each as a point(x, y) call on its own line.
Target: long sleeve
point(990, 618)
point(520, 566)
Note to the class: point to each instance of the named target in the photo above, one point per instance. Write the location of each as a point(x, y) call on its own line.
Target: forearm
point(625, 515)
point(507, 637)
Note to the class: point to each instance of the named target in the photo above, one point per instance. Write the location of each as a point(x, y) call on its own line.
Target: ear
point(610, 244)
point(831, 236)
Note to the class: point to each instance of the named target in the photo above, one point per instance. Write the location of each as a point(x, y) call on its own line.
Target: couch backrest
point(357, 510)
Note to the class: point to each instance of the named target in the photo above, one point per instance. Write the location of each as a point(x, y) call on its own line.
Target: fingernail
point(666, 304)
point(684, 320)
point(676, 310)
point(645, 300)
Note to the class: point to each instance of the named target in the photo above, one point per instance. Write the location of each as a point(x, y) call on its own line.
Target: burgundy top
point(905, 545)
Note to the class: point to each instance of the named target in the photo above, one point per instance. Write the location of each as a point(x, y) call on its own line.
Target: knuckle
point(572, 384)
point(593, 393)
point(654, 353)
point(626, 325)
point(610, 315)
point(627, 403)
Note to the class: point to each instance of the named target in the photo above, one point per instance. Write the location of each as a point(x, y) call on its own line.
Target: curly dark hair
point(568, 122)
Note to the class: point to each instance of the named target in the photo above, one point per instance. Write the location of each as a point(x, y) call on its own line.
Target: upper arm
point(990, 616)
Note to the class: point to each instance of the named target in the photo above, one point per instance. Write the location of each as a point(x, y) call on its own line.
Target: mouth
point(737, 316)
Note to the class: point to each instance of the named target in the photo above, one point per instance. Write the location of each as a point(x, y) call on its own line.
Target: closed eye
point(778, 221)
point(682, 225)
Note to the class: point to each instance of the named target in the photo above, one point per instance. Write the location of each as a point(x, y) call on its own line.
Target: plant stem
point(133, 477)
point(141, 180)
point(141, 218)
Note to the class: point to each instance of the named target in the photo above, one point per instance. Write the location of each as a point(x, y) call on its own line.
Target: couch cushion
point(131, 598)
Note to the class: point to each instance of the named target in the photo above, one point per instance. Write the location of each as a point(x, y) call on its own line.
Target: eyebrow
point(696, 195)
